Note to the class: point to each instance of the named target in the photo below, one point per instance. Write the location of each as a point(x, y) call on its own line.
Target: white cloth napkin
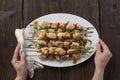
point(32, 64)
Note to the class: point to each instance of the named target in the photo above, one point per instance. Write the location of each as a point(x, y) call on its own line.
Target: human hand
point(19, 63)
point(102, 56)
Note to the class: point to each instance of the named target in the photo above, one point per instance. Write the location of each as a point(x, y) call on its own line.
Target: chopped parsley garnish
point(47, 29)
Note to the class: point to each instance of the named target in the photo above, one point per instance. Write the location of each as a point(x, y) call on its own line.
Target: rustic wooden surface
point(103, 14)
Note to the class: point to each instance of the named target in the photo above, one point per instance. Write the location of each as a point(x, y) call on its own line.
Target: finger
point(16, 52)
point(98, 48)
point(23, 57)
point(103, 45)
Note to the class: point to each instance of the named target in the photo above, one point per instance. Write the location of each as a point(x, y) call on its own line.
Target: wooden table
point(103, 14)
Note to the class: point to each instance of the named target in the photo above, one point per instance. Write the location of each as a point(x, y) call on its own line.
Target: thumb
point(98, 48)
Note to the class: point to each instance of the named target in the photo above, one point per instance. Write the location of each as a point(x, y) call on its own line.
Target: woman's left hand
point(19, 63)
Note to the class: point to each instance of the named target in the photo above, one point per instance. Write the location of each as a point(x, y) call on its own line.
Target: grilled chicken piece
point(51, 30)
point(57, 57)
point(44, 24)
point(76, 36)
point(59, 44)
point(71, 51)
point(75, 45)
point(62, 25)
point(61, 35)
point(76, 56)
point(70, 26)
point(44, 50)
point(66, 44)
point(42, 31)
point(79, 26)
point(51, 50)
point(42, 35)
point(51, 43)
point(60, 51)
point(54, 25)
point(59, 30)
point(42, 42)
point(67, 35)
point(66, 56)
point(51, 35)
point(43, 57)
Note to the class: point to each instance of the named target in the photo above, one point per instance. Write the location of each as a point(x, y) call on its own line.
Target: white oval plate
point(63, 17)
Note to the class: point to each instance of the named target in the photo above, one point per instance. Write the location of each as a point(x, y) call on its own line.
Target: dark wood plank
point(10, 17)
point(32, 10)
point(83, 71)
point(86, 9)
point(90, 11)
point(110, 33)
point(36, 8)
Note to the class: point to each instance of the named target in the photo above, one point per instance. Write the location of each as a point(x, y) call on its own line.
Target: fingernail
point(22, 51)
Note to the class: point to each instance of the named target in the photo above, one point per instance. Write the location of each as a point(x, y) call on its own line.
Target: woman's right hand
point(103, 55)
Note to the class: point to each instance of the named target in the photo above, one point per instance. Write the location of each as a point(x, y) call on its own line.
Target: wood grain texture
point(110, 33)
point(90, 11)
point(37, 8)
point(87, 9)
point(10, 17)
point(32, 10)
point(103, 14)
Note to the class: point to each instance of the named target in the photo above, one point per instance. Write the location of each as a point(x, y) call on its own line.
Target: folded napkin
point(32, 64)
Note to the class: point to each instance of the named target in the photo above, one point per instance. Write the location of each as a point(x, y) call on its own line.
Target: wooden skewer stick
point(90, 32)
point(33, 54)
point(32, 50)
point(89, 35)
point(30, 38)
point(89, 27)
